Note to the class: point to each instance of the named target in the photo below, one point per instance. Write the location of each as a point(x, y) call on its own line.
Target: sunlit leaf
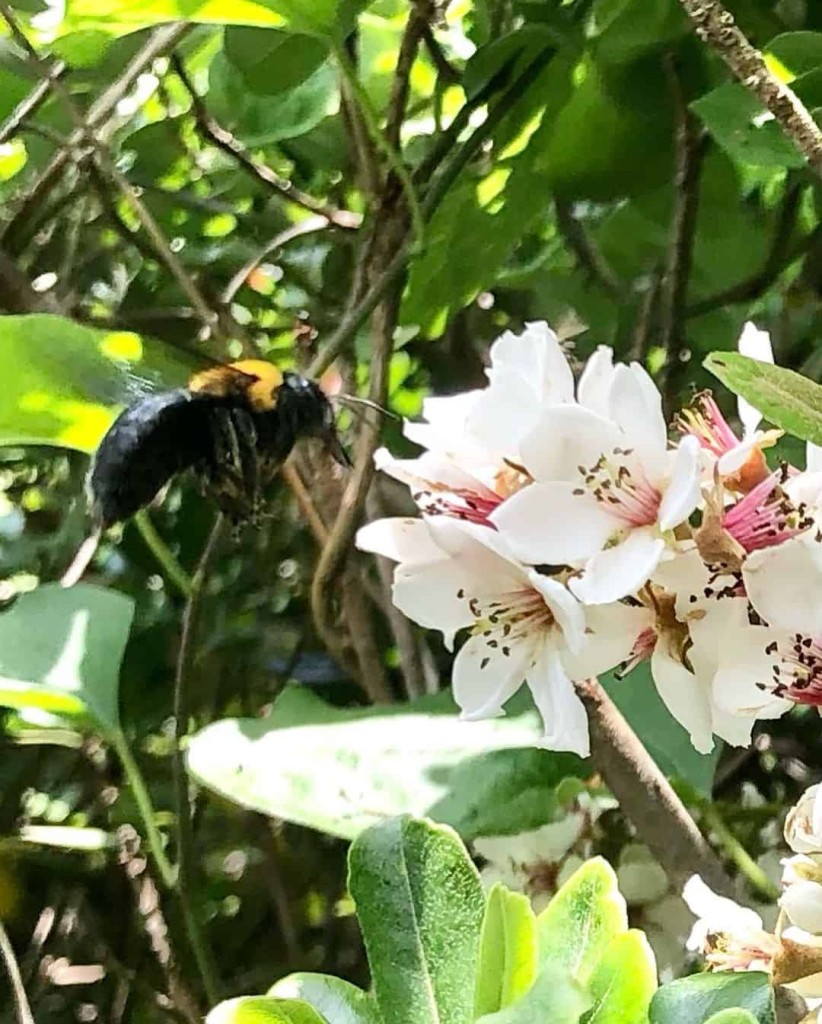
point(338, 1001)
point(786, 398)
point(554, 997)
point(264, 1010)
point(508, 951)
point(623, 981)
point(420, 904)
point(60, 651)
point(582, 919)
point(341, 770)
point(696, 999)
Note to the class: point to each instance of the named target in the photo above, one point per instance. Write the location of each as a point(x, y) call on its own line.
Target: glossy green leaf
point(263, 120)
point(118, 17)
point(336, 1000)
point(60, 652)
point(786, 398)
point(694, 1000)
point(555, 997)
point(63, 383)
point(271, 61)
point(420, 906)
point(733, 1016)
point(264, 1010)
point(623, 982)
point(508, 951)
point(340, 770)
point(582, 919)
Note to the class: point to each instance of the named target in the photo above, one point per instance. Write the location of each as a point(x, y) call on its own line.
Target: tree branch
point(588, 255)
point(716, 27)
point(21, 1003)
point(690, 142)
point(30, 104)
point(223, 139)
point(645, 795)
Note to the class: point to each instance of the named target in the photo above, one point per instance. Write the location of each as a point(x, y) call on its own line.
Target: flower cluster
point(565, 533)
point(734, 938)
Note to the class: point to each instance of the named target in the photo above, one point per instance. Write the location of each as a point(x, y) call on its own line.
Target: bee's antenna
point(356, 400)
point(81, 560)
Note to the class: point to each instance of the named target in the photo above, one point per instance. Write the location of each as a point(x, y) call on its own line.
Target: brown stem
point(223, 139)
point(645, 795)
point(716, 26)
point(582, 246)
point(30, 104)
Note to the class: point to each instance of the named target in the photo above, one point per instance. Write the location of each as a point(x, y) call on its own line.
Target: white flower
point(454, 575)
point(784, 583)
point(529, 861)
point(528, 372)
point(731, 937)
point(608, 493)
point(802, 902)
point(803, 825)
point(741, 462)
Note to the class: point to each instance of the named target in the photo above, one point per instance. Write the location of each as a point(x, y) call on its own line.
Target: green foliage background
point(540, 139)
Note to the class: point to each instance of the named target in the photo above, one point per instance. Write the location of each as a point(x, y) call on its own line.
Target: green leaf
point(786, 398)
point(508, 951)
point(342, 769)
point(263, 120)
point(60, 652)
point(666, 740)
point(420, 905)
point(733, 1016)
point(63, 383)
point(586, 914)
point(117, 17)
point(270, 61)
point(264, 1010)
point(623, 982)
point(694, 1000)
point(338, 1001)
point(555, 998)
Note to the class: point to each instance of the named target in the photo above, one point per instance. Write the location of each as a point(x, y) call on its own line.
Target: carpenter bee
point(232, 424)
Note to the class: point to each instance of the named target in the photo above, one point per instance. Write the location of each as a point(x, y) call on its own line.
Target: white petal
point(563, 714)
point(566, 437)
point(733, 460)
point(446, 418)
point(504, 414)
point(802, 902)
point(784, 584)
point(743, 671)
point(565, 608)
point(813, 458)
point(755, 344)
point(595, 381)
point(636, 406)
point(549, 523)
point(400, 539)
point(683, 492)
point(621, 570)
point(686, 697)
point(430, 471)
point(484, 678)
point(538, 357)
point(734, 729)
point(611, 631)
point(429, 595)
point(718, 913)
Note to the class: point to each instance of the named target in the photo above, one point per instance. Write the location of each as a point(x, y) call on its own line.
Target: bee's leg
point(246, 434)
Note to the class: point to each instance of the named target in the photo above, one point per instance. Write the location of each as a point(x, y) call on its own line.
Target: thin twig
point(110, 170)
point(292, 477)
point(30, 104)
point(182, 804)
point(98, 113)
point(690, 143)
point(577, 239)
point(228, 143)
point(780, 255)
point(172, 570)
point(418, 18)
point(448, 74)
point(716, 26)
point(659, 816)
point(21, 1002)
point(309, 226)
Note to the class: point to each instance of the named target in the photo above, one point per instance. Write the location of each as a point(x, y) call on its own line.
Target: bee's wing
point(62, 383)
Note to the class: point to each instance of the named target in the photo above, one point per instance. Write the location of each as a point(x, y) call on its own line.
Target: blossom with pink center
point(608, 492)
point(741, 462)
point(765, 517)
point(523, 626)
point(784, 583)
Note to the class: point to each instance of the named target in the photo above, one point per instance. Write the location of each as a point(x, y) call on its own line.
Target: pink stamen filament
point(469, 506)
point(757, 522)
point(509, 617)
point(704, 420)
point(628, 497)
point(797, 670)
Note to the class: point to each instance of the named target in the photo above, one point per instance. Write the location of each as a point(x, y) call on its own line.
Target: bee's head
point(309, 413)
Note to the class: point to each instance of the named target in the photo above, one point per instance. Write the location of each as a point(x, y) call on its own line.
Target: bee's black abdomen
point(147, 444)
